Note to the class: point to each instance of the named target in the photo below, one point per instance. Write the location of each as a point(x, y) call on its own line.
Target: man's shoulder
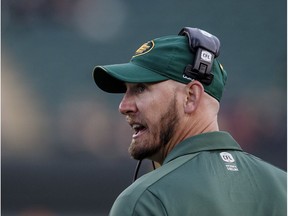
point(141, 190)
point(153, 177)
point(267, 168)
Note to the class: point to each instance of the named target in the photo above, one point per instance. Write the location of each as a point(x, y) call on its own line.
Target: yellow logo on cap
point(145, 48)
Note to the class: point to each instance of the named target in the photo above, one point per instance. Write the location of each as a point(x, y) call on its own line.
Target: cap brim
point(112, 78)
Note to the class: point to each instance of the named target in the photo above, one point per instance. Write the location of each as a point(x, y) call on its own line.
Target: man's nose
point(127, 105)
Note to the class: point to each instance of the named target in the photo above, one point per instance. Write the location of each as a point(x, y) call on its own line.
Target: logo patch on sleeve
point(145, 48)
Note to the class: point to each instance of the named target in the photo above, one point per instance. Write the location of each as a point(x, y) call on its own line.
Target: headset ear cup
point(206, 47)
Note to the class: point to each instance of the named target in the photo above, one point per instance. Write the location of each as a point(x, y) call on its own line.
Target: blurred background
point(64, 144)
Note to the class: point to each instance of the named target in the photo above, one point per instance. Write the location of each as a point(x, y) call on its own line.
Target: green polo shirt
point(208, 174)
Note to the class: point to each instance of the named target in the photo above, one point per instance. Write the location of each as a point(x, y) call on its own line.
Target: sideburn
point(169, 122)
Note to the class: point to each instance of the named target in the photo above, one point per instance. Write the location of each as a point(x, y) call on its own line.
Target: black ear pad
point(206, 47)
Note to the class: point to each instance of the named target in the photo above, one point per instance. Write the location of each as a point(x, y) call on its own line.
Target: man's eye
point(140, 88)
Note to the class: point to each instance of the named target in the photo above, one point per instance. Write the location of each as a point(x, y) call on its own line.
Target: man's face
point(151, 111)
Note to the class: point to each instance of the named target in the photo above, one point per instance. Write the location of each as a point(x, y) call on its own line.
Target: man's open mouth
point(138, 129)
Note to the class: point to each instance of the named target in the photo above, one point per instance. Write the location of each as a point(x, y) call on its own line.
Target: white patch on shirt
point(227, 157)
point(229, 161)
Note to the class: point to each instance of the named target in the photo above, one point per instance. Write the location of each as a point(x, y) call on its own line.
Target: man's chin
point(138, 154)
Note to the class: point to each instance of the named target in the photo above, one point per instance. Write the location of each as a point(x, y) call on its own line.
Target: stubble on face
point(159, 135)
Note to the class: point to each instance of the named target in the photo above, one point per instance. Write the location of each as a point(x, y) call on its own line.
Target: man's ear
point(194, 93)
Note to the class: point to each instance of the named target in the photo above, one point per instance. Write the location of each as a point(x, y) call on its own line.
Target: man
point(172, 88)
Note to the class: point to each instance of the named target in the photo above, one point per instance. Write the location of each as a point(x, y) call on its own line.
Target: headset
point(206, 47)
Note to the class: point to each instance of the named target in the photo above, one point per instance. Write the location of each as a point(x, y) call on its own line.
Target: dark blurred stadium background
point(64, 145)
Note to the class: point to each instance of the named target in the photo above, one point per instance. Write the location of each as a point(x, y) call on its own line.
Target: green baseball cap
point(157, 60)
